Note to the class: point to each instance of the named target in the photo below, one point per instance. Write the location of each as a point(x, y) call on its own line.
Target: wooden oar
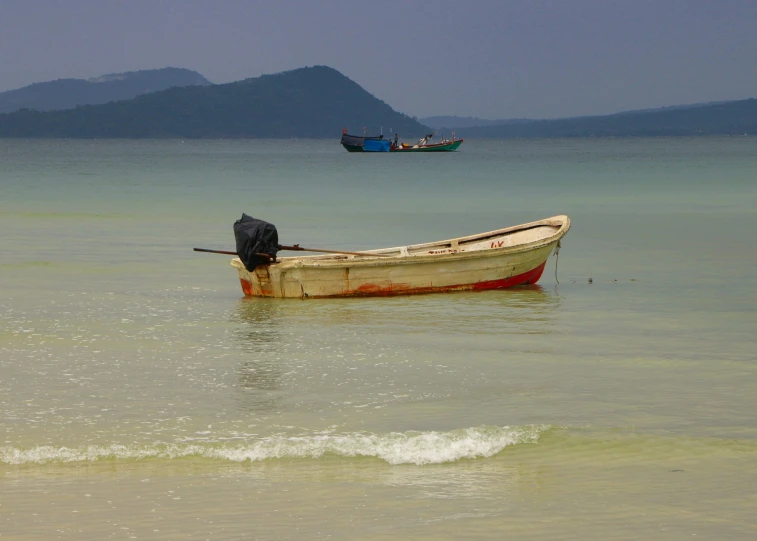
point(298, 248)
point(215, 251)
point(229, 253)
point(295, 248)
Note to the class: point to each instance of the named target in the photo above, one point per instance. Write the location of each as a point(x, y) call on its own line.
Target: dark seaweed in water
point(255, 237)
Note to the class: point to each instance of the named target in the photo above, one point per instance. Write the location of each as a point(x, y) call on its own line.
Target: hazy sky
point(487, 58)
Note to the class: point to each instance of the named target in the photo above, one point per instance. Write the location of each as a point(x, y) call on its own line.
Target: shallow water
point(143, 396)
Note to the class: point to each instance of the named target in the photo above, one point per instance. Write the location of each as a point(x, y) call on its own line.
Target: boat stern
point(256, 283)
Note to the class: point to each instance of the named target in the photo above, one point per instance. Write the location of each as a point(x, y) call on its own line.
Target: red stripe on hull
point(527, 278)
point(370, 290)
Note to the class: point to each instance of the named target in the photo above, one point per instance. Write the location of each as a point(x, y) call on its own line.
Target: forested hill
point(68, 93)
point(730, 118)
point(313, 102)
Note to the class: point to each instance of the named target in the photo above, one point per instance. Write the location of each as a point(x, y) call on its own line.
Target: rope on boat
point(557, 259)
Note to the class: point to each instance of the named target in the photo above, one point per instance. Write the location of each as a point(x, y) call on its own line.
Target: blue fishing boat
point(356, 143)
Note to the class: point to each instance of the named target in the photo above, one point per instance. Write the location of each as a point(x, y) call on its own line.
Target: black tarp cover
point(255, 237)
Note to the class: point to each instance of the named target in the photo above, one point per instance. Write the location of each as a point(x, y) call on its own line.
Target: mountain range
point(69, 93)
point(728, 118)
point(458, 122)
point(311, 102)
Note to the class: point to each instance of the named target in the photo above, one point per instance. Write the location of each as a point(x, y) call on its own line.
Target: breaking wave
point(395, 448)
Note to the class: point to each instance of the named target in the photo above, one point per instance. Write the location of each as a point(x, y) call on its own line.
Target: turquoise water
point(142, 396)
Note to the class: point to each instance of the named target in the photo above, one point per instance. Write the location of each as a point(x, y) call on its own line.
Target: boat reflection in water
point(349, 351)
point(529, 309)
point(259, 371)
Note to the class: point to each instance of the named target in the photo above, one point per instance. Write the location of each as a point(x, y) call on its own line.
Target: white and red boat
point(498, 259)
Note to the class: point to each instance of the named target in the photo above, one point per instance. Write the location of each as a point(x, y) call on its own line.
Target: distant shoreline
point(319, 102)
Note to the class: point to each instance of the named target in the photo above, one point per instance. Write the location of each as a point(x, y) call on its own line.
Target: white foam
point(395, 448)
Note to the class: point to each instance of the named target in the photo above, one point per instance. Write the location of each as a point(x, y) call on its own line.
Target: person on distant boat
point(396, 140)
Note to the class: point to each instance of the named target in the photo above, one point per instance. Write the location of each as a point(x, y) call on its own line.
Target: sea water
point(142, 396)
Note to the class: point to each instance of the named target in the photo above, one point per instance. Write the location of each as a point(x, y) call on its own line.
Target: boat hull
point(353, 148)
point(354, 143)
point(439, 147)
point(482, 262)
